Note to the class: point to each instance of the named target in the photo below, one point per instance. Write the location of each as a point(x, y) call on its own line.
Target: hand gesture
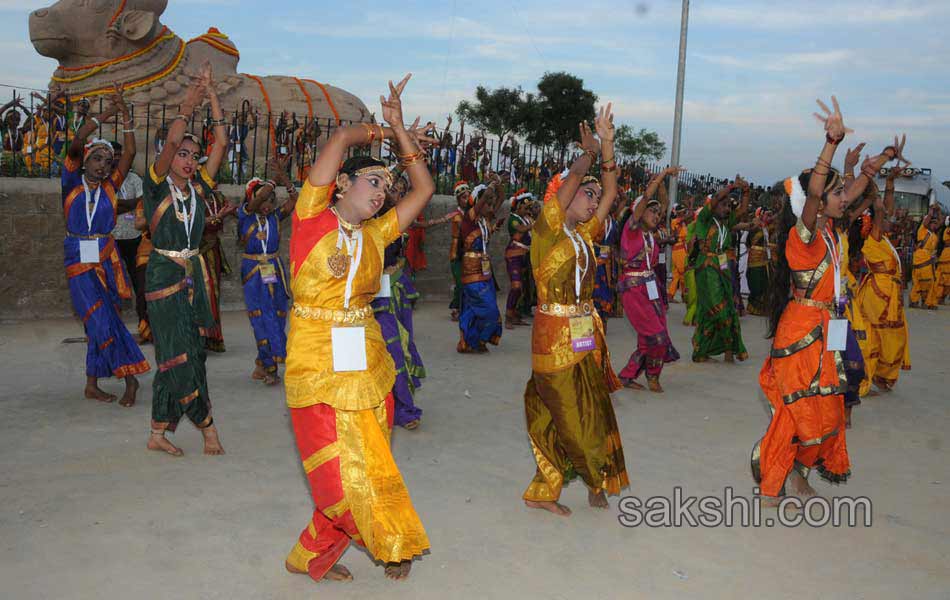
point(832, 120)
point(741, 183)
point(852, 157)
point(674, 171)
point(228, 210)
point(117, 99)
point(424, 136)
point(392, 106)
point(604, 123)
point(205, 76)
point(195, 94)
point(894, 172)
point(278, 166)
point(588, 142)
point(898, 149)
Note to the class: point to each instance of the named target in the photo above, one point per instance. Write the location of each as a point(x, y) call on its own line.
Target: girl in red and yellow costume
point(803, 377)
point(339, 374)
point(571, 422)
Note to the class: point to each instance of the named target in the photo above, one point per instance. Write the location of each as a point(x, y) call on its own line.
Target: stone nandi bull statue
point(98, 42)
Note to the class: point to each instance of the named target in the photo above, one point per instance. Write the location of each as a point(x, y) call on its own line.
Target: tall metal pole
point(678, 114)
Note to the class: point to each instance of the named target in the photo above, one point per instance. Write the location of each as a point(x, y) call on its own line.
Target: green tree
point(499, 111)
point(562, 103)
point(639, 145)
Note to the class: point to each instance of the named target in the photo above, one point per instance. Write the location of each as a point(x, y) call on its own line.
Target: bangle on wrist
point(370, 133)
point(128, 131)
point(96, 121)
point(382, 135)
point(181, 116)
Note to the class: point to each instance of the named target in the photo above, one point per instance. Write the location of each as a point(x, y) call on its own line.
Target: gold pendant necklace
point(338, 263)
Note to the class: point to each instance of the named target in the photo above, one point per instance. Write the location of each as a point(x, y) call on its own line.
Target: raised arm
point(834, 132)
point(411, 158)
point(128, 133)
point(880, 213)
point(88, 128)
point(282, 178)
point(604, 124)
point(892, 175)
point(579, 167)
point(220, 125)
point(867, 199)
point(851, 159)
point(176, 132)
point(743, 185)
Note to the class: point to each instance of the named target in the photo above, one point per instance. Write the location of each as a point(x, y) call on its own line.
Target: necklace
point(338, 263)
point(346, 225)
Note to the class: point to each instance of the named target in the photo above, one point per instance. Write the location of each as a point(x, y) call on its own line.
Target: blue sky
point(754, 68)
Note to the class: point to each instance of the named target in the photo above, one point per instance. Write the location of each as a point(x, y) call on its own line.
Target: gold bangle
point(406, 165)
point(382, 135)
point(370, 133)
point(604, 169)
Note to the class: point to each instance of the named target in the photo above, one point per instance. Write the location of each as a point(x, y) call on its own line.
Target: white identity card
point(89, 251)
point(349, 348)
point(837, 334)
point(652, 292)
point(385, 289)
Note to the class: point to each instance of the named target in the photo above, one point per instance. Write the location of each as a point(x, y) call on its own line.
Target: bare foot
point(729, 357)
point(598, 500)
point(799, 485)
point(92, 392)
point(259, 373)
point(212, 443)
point(271, 379)
point(398, 571)
point(509, 324)
point(654, 383)
point(770, 501)
point(631, 384)
point(455, 315)
point(413, 424)
point(158, 442)
point(336, 573)
point(847, 417)
point(131, 389)
point(554, 507)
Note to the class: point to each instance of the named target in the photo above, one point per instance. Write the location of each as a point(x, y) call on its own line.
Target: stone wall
point(33, 282)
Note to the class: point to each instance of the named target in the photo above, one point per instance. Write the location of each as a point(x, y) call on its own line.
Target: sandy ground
point(86, 512)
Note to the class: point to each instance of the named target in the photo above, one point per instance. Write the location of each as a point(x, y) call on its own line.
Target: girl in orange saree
point(803, 377)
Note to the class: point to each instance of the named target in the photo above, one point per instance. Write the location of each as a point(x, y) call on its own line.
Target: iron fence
point(36, 145)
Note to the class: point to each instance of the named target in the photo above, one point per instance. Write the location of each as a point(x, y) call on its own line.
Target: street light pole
point(678, 114)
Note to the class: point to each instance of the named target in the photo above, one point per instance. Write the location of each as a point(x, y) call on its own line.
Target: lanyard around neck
point(266, 227)
point(351, 242)
point(720, 233)
point(648, 248)
point(90, 213)
point(831, 243)
point(188, 210)
point(578, 242)
point(483, 227)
